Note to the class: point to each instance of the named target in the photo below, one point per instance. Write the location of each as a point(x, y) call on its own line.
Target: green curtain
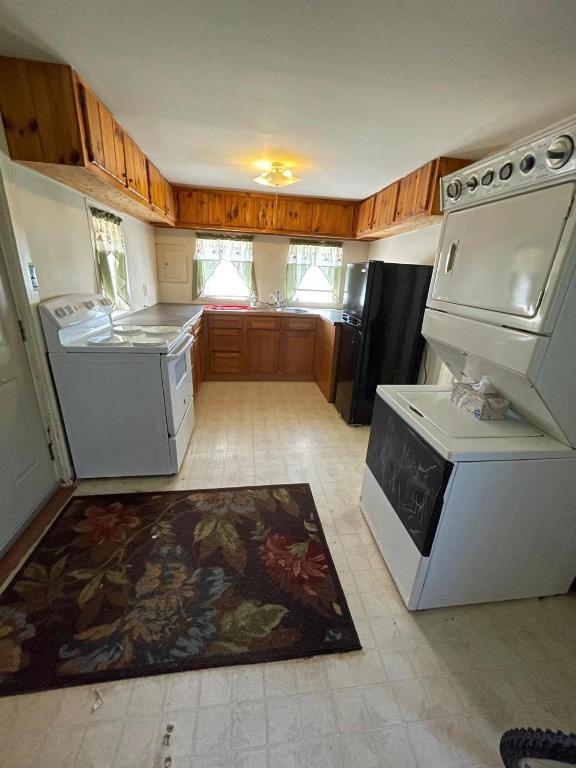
point(334, 277)
point(294, 275)
point(111, 257)
point(202, 272)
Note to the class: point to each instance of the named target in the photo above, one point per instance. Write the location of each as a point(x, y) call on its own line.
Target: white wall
point(270, 255)
point(417, 247)
point(52, 232)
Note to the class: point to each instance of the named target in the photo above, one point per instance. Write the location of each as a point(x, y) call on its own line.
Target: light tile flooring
point(428, 690)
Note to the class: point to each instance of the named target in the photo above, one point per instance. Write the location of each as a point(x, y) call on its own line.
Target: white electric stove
point(125, 390)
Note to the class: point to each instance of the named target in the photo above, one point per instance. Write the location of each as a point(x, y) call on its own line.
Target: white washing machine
point(467, 511)
point(125, 391)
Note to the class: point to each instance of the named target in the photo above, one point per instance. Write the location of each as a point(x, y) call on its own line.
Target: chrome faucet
point(277, 301)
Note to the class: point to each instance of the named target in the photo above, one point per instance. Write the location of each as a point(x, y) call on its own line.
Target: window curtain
point(324, 254)
point(111, 257)
point(212, 249)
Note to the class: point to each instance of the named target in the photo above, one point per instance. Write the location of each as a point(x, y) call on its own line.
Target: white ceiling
point(354, 93)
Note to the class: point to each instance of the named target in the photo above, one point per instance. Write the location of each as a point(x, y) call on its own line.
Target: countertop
point(184, 315)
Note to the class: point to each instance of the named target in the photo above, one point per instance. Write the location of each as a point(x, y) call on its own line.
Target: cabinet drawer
point(226, 362)
point(225, 321)
point(299, 323)
point(226, 339)
point(266, 323)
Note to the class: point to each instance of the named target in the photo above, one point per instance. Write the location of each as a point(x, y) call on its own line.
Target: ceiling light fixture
point(276, 175)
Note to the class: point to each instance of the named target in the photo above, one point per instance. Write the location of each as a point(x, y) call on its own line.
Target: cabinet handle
point(451, 258)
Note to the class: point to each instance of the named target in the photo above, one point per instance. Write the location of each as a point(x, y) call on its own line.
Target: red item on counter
point(227, 306)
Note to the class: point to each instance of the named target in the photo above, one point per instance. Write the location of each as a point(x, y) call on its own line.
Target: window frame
point(334, 303)
point(99, 282)
point(202, 296)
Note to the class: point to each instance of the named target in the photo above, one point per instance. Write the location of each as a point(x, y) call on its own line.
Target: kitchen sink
point(292, 309)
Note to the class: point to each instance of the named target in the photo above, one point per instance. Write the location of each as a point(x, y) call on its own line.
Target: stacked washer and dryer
point(468, 511)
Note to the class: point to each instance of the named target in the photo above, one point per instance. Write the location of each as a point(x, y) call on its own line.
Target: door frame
point(26, 300)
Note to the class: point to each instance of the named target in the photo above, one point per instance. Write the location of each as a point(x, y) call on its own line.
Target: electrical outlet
point(144, 289)
point(33, 276)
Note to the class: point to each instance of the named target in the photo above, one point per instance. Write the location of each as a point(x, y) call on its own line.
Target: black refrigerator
point(380, 341)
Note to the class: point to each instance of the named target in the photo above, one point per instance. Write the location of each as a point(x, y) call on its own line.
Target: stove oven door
point(177, 382)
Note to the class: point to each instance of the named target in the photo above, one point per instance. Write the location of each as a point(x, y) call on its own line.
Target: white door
point(26, 471)
point(498, 256)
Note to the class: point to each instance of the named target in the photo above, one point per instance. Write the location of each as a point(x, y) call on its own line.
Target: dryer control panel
point(541, 159)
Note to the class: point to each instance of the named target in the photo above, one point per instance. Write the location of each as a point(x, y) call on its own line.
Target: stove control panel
point(545, 157)
point(77, 308)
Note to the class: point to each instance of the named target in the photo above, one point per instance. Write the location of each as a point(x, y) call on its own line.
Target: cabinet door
point(385, 206)
point(245, 211)
point(325, 358)
point(294, 215)
point(170, 200)
point(194, 355)
point(157, 188)
point(365, 216)
point(226, 339)
point(136, 170)
point(104, 137)
point(201, 208)
point(226, 362)
point(333, 218)
point(114, 161)
point(415, 193)
point(297, 353)
point(262, 347)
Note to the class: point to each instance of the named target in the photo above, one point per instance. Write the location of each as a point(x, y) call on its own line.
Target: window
point(110, 254)
point(223, 267)
point(314, 272)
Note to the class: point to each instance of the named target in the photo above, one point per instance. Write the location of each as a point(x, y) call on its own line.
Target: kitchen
point(263, 379)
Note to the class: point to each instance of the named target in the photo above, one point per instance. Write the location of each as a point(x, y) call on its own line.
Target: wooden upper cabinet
point(170, 201)
point(385, 206)
point(247, 211)
point(200, 208)
point(412, 202)
point(157, 187)
point(40, 112)
point(136, 170)
point(365, 216)
point(293, 215)
point(415, 192)
point(334, 218)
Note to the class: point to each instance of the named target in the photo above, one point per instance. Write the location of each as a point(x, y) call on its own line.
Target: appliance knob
point(527, 163)
point(472, 183)
point(559, 152)
point(506, 171)
point(488, 178)
point(454, 189)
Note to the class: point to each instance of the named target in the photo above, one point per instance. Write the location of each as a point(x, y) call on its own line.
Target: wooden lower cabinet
point(326, 358)
point(262, 351)
point(297, 353)
point(198, 355)
point(264, 347)
point(226, 363)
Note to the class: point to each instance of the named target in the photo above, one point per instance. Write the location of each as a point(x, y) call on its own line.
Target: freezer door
point(498, 256)
point(355, 289)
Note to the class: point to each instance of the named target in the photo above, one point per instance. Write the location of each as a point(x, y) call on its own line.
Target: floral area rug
point(136, 584)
